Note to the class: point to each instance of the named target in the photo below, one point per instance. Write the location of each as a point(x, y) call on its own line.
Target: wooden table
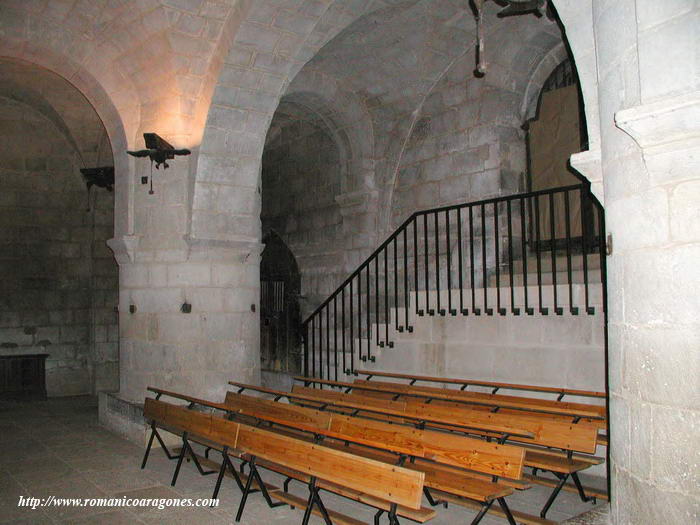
point(23, 376)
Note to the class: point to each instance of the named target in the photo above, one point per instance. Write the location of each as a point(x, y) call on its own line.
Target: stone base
point(598, 516)
point(123, 417)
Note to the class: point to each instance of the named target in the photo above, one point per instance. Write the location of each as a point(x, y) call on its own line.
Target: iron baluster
point(313, 346)
point(497, 251)
point(352, 334)
point(335, 335)
point(376, 299)
point(543, 309)
point(584, 245)
point(306, 348)
point(386, 298)
point(553, 232)
point(342, 325)
point(415, 263)
point(475, 310)
point(567, 221)
point(405, 276)
point(328, 341)
point(359, 315)
point(396, 283)
point(368, 313)
point(460, 264)
point(513, 309)
point(428, 310)
point(440, 310)
point(523, 247)
point(487, 310)
point(449, 264)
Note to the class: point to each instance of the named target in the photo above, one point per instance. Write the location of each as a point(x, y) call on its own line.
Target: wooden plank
point(520, 517)
point(489, 384)
point(445, 417)
point(355, 399)
point(185, 397)
point(209, 427)
point(494, 400)
point(278, 494)
point(281, 413)
point(377, 479)
point(546, 432)
point(569, 487)
point(460, 451)
point(420, 515)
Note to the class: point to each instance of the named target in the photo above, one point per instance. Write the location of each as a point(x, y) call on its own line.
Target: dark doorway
point(280, 317)
point(556, 132)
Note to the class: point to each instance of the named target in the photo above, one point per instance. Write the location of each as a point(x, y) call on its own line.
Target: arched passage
point(59, 277)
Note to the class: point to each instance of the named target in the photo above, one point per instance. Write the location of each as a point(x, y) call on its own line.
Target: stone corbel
point(668, 132)
point(124, 248)
point(588, 163)
point(354, 202)
point(240, 251)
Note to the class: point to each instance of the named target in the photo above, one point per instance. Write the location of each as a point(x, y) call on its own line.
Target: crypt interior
point(426, 188)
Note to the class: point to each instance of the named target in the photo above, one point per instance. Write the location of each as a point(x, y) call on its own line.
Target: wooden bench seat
point(477, 455)
point(393, 485)
point(547, 432)
point(546, 406)
point(495, 386)
point(496, 401)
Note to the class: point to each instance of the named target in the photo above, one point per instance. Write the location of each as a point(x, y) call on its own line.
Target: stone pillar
point(647, 73)
point(196, 352)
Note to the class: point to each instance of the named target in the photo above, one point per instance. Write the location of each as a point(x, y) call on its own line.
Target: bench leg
point(432, 501)
point(253, 474)
point(183, 452)
point(581, 492)
point(315, 500)
point(484, 509)
point(154, 433)
point(555, 493)
point(393, 520)
point(226, 464)
point(506, 511)
point(197, 463)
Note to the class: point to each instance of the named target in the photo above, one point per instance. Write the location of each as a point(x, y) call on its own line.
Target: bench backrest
point(489, 384)
point(195, 423)
point(414, 412)
point(550, 432)
point(388, 482)
point(524, 403)
point(459, 451)
point(396, 484)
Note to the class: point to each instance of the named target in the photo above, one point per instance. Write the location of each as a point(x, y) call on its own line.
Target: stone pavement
point(56, 447)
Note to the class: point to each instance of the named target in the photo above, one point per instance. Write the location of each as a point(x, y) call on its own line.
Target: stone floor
point(57, 447)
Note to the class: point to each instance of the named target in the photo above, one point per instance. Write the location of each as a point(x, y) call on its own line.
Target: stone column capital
point(124, 248)
point(668, 132)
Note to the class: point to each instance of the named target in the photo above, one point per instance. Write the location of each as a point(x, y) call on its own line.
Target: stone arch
point(249, 88)
point(346, 117)
point(105, 107)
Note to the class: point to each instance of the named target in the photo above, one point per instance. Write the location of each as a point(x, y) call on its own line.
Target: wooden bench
point(371, 481)
point(492, 462)
point(547, 433)
point(355, 407)
point(576, 411)
point(494, 386)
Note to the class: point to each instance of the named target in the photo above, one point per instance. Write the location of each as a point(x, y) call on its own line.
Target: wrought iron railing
point(512, 254)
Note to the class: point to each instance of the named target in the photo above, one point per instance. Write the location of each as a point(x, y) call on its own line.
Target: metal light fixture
point(510, 8)
point(159, 151)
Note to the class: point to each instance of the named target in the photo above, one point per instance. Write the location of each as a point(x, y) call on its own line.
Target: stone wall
point(59, 285)
point(301, 179)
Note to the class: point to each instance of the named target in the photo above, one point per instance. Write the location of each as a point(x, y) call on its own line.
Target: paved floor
point(57, 448)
